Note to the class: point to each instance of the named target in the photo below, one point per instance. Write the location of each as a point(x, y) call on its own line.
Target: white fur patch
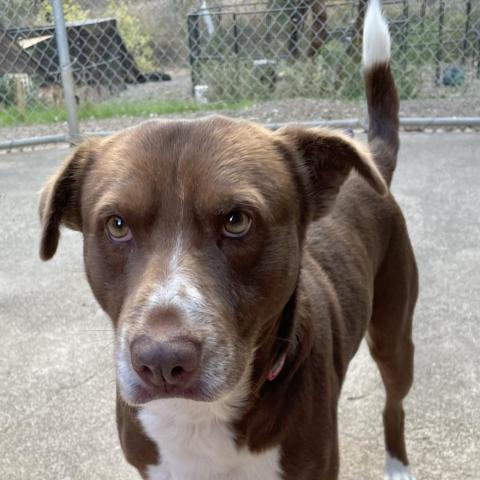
point(396, 470)
point(126, 379)
point(169, 291)
point(376, 38)
point(196, 443)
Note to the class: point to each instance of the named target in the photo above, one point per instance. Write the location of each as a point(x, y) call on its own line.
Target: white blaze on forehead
point(178, 287)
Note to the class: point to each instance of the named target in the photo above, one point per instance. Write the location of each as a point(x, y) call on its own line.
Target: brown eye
point(236, 224)
point(118, 230)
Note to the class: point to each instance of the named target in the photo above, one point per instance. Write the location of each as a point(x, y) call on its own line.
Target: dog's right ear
point(325, 159)
point(60, 197)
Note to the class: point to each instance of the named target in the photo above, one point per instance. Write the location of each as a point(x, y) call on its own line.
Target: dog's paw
point(396, 470)
point(399, 476)
point(158, 472)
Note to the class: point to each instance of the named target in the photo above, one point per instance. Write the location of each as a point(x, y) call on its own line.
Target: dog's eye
point(117, 229)
point(236, 224)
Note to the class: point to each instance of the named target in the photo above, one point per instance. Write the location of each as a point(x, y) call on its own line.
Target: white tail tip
point(376, 38)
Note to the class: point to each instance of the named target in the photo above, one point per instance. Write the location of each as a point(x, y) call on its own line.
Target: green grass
point(42, 114)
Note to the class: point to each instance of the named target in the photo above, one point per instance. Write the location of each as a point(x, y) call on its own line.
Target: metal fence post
point(439, 53)
point(193, 26)
point(468, 12)
point(65, 69)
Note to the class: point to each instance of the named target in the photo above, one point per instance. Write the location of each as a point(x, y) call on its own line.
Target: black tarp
point(97, 52)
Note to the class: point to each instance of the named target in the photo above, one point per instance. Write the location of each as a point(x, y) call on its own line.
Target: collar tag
point(277, 368)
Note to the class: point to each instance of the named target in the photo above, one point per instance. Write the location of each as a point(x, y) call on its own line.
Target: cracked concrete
point(56, 370)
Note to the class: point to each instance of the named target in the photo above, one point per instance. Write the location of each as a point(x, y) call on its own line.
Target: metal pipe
point(440, 122)
point(355, 123)
point(345, 123)
point(33, 141)
point(420, 122)
point(99, 133)
point(65, 69)
point(423, 122)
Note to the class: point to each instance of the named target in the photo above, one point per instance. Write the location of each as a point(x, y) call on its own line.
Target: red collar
point(277, 368)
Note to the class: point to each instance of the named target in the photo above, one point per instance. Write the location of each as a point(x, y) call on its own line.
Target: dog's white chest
point(196, 443)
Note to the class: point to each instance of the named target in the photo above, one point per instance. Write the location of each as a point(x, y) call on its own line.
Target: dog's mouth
point(140, 394)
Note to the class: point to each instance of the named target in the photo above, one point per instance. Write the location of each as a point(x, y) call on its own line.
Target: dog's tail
point(382, 98)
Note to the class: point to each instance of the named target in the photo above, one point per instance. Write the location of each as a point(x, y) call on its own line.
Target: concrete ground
point(56, 371)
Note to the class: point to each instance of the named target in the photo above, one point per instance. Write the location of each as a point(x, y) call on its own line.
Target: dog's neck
point(283, 338)
point(244, 421)
point(262, 419)
point(279, 351)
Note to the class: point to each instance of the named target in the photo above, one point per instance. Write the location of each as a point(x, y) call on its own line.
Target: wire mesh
point(154, 56)
point(281, 49)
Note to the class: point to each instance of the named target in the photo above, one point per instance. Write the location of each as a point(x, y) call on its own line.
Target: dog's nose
point(173, 361)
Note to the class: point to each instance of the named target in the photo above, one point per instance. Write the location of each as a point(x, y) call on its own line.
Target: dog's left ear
point(60, 197)
point(325, 159)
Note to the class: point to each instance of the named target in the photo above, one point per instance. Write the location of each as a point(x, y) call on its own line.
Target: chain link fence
point(152, 57)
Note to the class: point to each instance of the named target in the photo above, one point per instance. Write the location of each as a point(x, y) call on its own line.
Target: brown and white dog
point(241, 269)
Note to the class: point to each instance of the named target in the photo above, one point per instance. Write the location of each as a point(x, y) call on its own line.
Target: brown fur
point(328, 239)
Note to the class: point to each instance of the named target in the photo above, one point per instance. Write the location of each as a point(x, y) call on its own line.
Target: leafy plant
point(7, 90)
point(138, 42)
point(72, 12)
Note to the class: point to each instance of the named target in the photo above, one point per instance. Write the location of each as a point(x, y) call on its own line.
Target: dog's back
point(362, 258)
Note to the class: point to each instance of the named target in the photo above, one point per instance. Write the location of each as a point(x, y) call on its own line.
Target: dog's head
point(193, 234)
